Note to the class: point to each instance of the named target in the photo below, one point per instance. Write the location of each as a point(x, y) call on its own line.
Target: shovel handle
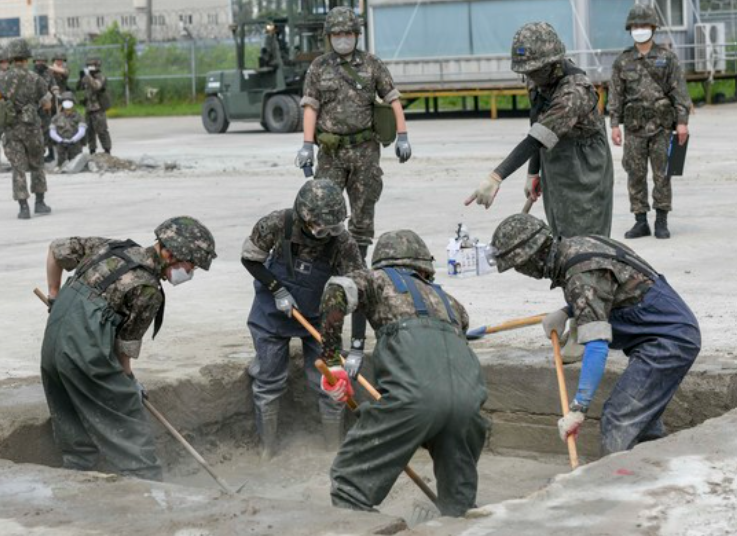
point(332, 380)
point(515, 324)
point(41, 296)
point(528, 206)
point(563, 391)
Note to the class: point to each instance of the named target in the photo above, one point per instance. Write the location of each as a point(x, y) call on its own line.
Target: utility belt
point(330, 142)
point(638, 115)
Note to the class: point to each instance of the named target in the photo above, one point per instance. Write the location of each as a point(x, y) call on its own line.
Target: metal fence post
point(193, 67)
point(126, 78)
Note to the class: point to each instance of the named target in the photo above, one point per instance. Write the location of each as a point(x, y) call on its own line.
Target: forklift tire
point(281, 114)
point(213, 116)
point(300, 113)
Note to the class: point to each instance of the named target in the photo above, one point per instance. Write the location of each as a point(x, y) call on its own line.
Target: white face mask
point(67, 104)
point(343, 45)
point(642, 35)
point(179, 275)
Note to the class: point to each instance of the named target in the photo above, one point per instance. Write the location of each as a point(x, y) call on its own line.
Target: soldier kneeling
point(68, 130)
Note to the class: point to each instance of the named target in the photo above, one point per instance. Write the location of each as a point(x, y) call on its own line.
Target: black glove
point(52, 301)
point(354, 359)
point(81, 74)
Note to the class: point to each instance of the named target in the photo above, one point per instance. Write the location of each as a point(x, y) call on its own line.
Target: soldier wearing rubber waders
point(96, 324)
point(619, 301)
point(431, 383)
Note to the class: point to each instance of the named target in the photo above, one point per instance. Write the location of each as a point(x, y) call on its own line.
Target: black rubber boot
point(50, 156)
point(640, 228)
point(268, 428)
point(41, 208)
point(661, 224)
point(25, 211)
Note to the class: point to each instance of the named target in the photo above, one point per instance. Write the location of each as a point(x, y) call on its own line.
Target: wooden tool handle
point(528, 206)
point(42, 296)
point(563, 391)
point(332, 380)
point(516, 324)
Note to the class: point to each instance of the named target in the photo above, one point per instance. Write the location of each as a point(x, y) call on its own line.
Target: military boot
point(41, 208)
point(332, 431)
point(50, 155)
point(268, 428)
point(25, 211)
point(661, 224)
point(640, 228)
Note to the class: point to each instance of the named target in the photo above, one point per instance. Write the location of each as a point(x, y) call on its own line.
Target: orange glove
point(342, 390)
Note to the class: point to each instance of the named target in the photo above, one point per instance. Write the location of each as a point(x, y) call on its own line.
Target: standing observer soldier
point(340, 92)
point(59, 71)
point(648, 94)
point(96, 325)
point(41, 68)
point(23, 93)
point(618, 301)
point(96, 103)
point(4, 64)
point(569, 157)
point(431, 382)
point(291, 253)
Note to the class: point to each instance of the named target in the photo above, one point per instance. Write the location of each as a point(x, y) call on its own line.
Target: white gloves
point(486, 191)
point(570, 424)
point(555, 321)
point(532, 187)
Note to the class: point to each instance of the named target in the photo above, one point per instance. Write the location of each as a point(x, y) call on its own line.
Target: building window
point(100, 22)
point(158, 20)
point(41, 25)
point(212, 18)
point(128, 21)
point(73, 22)
point(10, 27)
point(673, 12)
point(186, 18)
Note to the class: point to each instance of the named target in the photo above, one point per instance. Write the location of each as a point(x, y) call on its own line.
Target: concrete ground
point(229, 181)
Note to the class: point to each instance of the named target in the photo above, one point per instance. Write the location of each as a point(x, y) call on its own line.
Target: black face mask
point(532, 268)
point(545, 76)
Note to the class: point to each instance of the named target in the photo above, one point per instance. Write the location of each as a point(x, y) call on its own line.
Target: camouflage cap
point(644, 15)
point(68, 95)
point(517, 239)
point(188, 240)
point(403, 248)
point(320, 202)
point(18, 49)
point(535, 45)
point(342, 19)
point(59, 55)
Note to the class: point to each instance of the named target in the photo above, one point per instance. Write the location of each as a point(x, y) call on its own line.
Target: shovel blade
point(476, 333)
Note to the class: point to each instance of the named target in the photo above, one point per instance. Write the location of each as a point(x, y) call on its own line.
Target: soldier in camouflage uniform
point(4, 64)
point(570, 162)
point(647, 93)
point(68, 130)
point(431, 382)
point(96, 325)
point(618, 301)
point(41, 68)
point(96, 102)
point(340, 90)
point(23, 139)
point(60, 72)
point(291, 253)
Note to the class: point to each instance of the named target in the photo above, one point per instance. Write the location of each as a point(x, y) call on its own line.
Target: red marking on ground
point(624, 472)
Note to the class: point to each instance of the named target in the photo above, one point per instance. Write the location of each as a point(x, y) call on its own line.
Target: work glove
point(306, 155)
point(86, 71)
point(570, 424)
point(342, 390)
point(284, 301)
point(555, 321)
point(353, 362)
point(487, 190)
point(532, 187)
point(52, 301)
point(402, 148)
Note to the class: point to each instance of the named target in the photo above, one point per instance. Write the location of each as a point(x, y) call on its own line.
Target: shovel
point(571, 441)
point(166, 424)
point(478, 333)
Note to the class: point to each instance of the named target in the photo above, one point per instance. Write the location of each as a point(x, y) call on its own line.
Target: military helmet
point(403, 248)
point(535, 45)
point(59, 55)
point(342, 19)
point(517, 239)
point(68, 95)
point(4, 56)
point(644, 15)
point(320, 202)
point(188, 240)
point(97, 62)
point(18, 49)
point(41, 56)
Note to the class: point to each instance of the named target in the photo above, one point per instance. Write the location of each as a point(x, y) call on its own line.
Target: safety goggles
point(329, 230)
point(490, 252)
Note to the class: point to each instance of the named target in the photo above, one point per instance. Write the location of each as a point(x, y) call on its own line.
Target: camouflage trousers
point(46, 128)
point(97, 128)
point(66, 152)
point(637, 151)
point(24, 147)
point(356, 170)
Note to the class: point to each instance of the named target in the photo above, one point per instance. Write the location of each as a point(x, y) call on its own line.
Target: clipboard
point(676, 156)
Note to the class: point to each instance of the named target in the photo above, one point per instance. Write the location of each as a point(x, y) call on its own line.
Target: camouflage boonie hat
point(403, 248)
point(188, 240)
point(517, 239)
point(342, 19)
point(640, 14)
point(18, 49)
point(97, 62)
point(68, 95)
point(321, 203)
point(535, 45)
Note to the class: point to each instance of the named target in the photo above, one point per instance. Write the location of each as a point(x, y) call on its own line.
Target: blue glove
point(402, 148)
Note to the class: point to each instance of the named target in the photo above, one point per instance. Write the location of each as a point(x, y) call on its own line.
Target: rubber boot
point(268, 427)
point(50, 155)
point(332, 431)
point(661, 224)
point(25, 211)
point(41, 208)
point(640, 228)
point(572, 352)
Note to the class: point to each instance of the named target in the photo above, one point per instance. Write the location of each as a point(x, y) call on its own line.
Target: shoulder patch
point(661, 62)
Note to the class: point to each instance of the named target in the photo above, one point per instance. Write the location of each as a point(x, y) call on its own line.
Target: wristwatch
point(577, 406)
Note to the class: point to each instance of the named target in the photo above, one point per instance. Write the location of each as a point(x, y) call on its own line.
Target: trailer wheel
point(281, 114)
point(300, 114)
point(213, 116)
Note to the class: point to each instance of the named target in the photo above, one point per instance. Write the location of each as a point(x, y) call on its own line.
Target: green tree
point(126, 42)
